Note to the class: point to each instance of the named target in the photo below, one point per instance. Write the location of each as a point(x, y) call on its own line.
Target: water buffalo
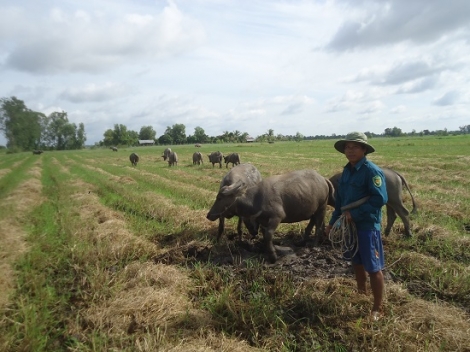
point(233, 158)
point(114, 149)
point(134, 158)
point(197, 158)
point(172, 159)
point(288, 198)
point(37, 152)
point(166, 153)
point(395, 183)
point(241, 176)
point(215, 158)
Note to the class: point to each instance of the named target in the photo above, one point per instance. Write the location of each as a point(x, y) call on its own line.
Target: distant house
point(146, 142)
point(250, 139)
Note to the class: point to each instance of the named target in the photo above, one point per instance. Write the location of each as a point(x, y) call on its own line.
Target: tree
point(177, 133)
point(465, 129)
point(165, 139)
point(147, 133)
point(21, 126)
point(298, 137)
point(200, 135)
point(393, 132)
point(81, 136)
point(108, 138)
point(60, 134)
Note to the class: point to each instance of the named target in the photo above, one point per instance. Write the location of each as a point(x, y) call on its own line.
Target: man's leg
point(377, 285)
point(361, 278)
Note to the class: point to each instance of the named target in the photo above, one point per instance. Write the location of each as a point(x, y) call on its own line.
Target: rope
point(343, 234)
point(343, 237)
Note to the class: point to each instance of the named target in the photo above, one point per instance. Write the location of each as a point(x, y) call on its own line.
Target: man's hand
point(327, 229)
point(348, 216)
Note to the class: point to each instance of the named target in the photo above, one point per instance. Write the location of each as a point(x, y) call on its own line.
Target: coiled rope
point(343, 237)
point(343, 234)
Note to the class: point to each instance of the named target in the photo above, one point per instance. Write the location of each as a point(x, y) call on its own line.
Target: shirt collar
point(358, 165)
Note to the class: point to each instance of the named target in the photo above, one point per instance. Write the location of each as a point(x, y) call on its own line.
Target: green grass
point(76, 266)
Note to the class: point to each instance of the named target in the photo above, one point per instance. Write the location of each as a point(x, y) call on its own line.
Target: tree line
point(26, 130)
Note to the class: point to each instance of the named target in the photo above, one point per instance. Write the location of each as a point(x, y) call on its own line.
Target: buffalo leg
point(317, 220)
point(239, 228)
point(268, 233)
point(221, 227)
point(391, 216)
point(403, 213)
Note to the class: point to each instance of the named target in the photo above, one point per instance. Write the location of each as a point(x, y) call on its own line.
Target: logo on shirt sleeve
point(377, 181)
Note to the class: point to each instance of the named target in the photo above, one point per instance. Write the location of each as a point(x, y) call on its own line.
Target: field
point(97, 255)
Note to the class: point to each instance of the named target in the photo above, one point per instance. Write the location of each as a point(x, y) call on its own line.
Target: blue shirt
point(359, 181)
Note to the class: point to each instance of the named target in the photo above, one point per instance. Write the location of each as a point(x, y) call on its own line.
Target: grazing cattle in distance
point(37, 152)
point(394, 183)
point(242, 176)
point(166, 153)
point(296, 196)
point(197, 145)
point(197, 158)
point(114, 149)
point(172, 159)
point(215, 158)
point(233, 158)
point(134, 158)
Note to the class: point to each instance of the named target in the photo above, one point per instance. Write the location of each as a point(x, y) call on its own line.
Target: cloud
point(95, 93)
point(400, 109)
point(373, 23)
point(80, 41)
point(448, 98)
point(418, 85)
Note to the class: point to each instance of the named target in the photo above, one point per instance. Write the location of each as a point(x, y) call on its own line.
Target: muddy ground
point(302, 261)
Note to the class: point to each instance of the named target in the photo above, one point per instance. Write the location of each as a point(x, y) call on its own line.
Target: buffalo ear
point(231, 189)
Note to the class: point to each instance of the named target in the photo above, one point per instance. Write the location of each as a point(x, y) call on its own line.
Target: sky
point(315, 67)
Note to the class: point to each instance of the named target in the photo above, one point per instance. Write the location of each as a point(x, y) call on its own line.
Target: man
point(362, 181)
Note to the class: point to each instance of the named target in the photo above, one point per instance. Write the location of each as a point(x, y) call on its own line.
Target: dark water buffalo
point(134, 158)
point(114, 149)
point(395, 183)
point(172, 159)
point(166, 153)
point(233, 158)
point(215, 158)
point(197, 158)
point(37, 152)
point(241, 176)
point(288, 198)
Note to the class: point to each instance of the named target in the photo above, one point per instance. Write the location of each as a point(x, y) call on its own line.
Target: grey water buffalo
point(172, 159)
point(233, 158)
point(134, 158)
point(288, 198)
point(166, 153)
point(395, 183)
point(197, 158)
point(37, 152)
point(241, 176)
point(114, 149)
point(215, 158)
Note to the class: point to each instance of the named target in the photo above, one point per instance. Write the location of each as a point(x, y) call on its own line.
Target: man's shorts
point(370, 253)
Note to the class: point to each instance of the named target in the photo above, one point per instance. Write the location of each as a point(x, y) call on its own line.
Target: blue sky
point(314, 67)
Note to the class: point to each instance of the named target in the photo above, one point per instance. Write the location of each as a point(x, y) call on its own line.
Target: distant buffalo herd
point(288, 198)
